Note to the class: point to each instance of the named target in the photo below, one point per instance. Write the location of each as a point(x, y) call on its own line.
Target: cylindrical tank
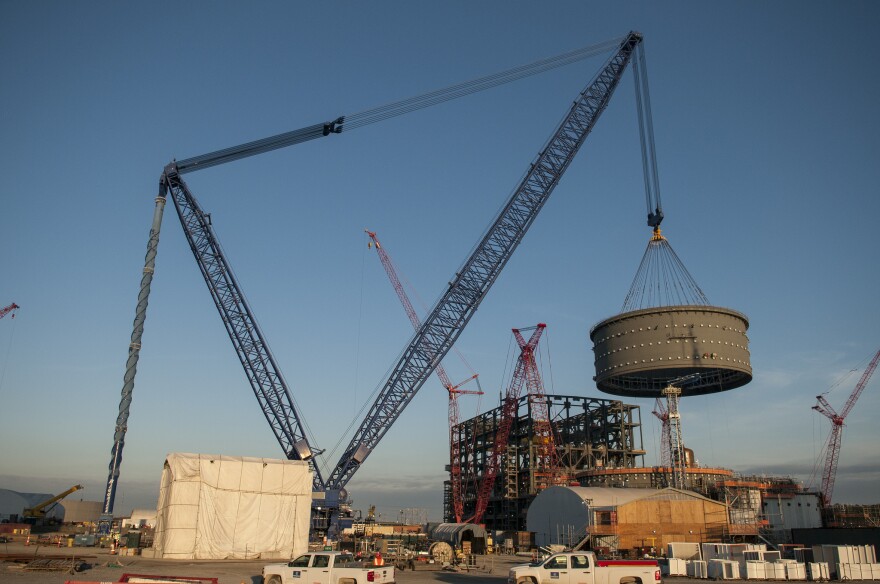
point(638, 353)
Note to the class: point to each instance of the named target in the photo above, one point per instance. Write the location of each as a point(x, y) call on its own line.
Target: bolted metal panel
point(638, 353)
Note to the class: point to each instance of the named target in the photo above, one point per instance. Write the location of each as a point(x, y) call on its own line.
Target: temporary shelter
point(228, 507)
point(456, 534)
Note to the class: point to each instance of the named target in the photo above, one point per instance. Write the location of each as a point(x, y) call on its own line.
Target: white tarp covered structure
point(230, 507)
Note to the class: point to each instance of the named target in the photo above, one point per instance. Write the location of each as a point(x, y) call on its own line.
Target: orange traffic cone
point(28, 540)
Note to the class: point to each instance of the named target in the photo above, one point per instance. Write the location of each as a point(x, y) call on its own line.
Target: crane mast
point(662, 414)
point(836, 437)
point(525, 372)
point(262, 372)
point(447, 320)
point(545, 463)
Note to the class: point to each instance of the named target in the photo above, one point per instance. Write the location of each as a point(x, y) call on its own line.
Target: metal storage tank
point(638, 353)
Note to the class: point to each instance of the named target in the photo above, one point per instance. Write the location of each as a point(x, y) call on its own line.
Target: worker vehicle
point(584, 568)
point(327, 568)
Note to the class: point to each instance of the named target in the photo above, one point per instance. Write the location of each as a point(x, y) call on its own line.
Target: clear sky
point(767, 132)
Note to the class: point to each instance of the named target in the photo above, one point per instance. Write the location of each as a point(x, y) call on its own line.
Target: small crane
point(40, 510)
point(11, 308)
point(662, 414)
point(834, 438)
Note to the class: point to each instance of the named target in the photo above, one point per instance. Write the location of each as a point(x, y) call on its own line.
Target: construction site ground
point(103, 567)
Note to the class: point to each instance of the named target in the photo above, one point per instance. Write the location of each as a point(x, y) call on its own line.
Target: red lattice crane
point(546, 463)
point(11, 308)
point(453, 390)
point(834, 439)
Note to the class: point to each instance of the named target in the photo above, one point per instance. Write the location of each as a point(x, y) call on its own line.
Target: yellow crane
point(39, 510)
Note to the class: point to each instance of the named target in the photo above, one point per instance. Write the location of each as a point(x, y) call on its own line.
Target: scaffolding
point(851, 516)
point(589, 433)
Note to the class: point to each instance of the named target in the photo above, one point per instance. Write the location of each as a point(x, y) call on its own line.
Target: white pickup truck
point(326, 568)
point(584, 568)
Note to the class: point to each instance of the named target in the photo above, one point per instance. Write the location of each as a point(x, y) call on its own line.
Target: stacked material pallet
point(753, 570)
point(675, 567)
point(775, 571)
point(818, 572)
point(762, 555)
point(794, 570)
point(697, 569)
point(729, 551)
point(684, 550)
point(847, 562)
point(723, 569)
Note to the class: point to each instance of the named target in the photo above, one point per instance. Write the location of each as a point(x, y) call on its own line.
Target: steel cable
point(435, 97)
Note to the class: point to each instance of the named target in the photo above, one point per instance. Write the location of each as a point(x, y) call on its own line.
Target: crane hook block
point(334, 127)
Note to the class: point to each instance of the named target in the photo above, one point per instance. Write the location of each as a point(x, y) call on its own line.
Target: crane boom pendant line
point(447, 320)
point(134, 350)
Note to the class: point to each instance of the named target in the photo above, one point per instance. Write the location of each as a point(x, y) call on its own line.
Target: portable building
point(229, 507)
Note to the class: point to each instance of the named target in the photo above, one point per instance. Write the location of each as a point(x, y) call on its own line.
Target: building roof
point(454, 533)
point(615, 497)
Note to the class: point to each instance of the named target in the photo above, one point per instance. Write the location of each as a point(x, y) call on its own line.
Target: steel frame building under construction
point(590, 433)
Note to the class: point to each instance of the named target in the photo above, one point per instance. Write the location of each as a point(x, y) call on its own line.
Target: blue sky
point(767, 140)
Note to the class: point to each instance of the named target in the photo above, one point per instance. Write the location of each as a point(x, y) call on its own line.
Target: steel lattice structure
point(591, 433)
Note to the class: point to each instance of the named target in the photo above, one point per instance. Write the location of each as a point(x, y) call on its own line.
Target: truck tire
point(273, 580)
point(526, 581)
point(347, 581)
point(630, 580)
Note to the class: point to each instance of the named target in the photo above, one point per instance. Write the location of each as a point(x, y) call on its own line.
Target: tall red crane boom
point(525, 372)
point(834, 439)
point(8, 309)
point(453, 390)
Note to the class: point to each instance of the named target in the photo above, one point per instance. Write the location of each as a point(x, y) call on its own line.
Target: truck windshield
point(300, 562)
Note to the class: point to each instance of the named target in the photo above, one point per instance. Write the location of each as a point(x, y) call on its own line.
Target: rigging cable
point(401, 107)
point(390, 110)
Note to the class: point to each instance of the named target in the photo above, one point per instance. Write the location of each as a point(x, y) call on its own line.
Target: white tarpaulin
point(231, 507)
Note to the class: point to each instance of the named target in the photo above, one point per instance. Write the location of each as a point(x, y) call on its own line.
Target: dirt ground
point(106, 568)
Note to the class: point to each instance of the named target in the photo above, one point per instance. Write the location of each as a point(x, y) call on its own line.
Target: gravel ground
point(106, 568)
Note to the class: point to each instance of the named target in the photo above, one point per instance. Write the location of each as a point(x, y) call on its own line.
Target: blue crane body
point(439, 330)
